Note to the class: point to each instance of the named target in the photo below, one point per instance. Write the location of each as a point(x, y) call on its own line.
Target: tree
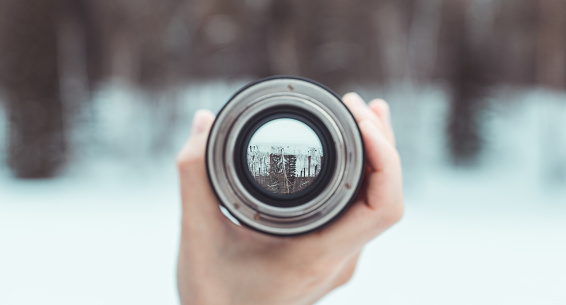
point(29, 74)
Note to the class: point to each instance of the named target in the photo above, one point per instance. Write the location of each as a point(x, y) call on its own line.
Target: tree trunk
point(37, 140)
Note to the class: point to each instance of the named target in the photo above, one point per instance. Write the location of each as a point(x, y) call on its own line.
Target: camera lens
point(285, 156)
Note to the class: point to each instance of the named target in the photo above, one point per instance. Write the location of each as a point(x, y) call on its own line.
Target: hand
point(222, 263)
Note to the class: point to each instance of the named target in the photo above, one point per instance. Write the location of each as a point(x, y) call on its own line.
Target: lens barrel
point(325, 184)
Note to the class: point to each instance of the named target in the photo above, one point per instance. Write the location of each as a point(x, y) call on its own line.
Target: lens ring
point(231, 144)
point(302, 196)
point(308, 99)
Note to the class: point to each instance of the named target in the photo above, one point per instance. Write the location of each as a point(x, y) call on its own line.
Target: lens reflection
point(285, 156)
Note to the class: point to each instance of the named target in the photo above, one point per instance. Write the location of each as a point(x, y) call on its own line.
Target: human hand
point(222, 263)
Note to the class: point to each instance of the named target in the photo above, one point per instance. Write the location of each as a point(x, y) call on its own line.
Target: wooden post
point(270, 161)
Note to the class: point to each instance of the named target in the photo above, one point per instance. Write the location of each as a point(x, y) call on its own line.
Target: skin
point(222, 263)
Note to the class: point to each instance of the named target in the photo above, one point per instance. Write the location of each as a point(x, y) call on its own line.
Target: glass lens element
point(285, 156)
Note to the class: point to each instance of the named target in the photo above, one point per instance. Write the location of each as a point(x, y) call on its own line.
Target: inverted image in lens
point(285, 156)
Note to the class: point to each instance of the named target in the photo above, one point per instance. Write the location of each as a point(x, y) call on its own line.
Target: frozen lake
point(106, 231)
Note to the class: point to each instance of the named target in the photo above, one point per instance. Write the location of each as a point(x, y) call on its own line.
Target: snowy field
point(106, 230)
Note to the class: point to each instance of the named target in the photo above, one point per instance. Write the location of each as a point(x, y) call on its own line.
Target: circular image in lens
point(285, 156)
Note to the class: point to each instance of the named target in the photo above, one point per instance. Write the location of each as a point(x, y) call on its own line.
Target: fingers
point(383, 186)
point(381, 205)
point(195, 189)
point(381, 109)
point(381, 155)
point(362, 112)
point(374, 121)
point(356, 227)
point(380, 202)
point(194, 149)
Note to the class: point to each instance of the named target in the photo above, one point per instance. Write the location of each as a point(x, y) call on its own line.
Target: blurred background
point(96, 98)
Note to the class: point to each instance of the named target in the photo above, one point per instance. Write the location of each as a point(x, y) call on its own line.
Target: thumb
point(195, 191)
point(193, 151)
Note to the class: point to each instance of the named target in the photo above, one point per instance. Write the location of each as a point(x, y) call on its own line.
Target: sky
point(286, 132)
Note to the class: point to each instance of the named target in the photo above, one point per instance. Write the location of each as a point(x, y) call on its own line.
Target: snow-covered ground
point(106, 231)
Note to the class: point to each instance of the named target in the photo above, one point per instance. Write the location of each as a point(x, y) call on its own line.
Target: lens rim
point(346, 137)
point(284, 200)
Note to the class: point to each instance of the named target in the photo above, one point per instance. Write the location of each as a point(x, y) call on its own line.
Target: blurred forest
point(471, 45)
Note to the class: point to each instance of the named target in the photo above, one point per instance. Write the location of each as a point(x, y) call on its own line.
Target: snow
point(106, 231)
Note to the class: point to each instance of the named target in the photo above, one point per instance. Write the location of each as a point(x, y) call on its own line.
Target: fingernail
point(199, 123)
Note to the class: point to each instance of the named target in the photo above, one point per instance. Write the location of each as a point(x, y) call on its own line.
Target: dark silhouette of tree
point(29, 73)
point(469, 81)
point(161, 44)
point(551, 44)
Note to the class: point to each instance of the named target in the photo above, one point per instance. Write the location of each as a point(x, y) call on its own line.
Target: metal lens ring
point(320, 192)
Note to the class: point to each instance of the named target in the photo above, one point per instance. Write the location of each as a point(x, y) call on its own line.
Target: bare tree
point(29, 74)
